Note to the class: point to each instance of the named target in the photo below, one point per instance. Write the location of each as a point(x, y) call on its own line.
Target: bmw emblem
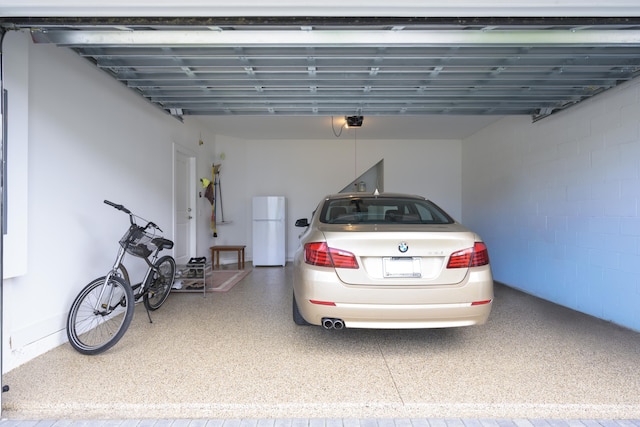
point(403, 247)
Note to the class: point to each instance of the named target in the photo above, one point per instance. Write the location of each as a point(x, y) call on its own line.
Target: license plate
point(401, 267)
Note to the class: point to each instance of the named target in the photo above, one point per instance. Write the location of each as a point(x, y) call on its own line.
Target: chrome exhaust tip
point(329, 323)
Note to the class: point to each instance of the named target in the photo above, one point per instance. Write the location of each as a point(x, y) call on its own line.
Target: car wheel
point(297, 317)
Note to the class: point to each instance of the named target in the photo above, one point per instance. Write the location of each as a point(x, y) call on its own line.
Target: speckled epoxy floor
point(239, 355)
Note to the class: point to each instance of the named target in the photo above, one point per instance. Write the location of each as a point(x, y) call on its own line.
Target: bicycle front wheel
point(124, 274)
point(100, 315)
point(159, 283)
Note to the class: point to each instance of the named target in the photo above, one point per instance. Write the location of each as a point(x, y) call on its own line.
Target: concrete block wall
point(557, 203)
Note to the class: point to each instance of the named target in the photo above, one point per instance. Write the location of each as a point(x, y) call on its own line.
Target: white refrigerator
point(269, 245)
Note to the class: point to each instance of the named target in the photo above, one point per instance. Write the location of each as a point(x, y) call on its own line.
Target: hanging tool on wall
point(213, 193)
point(217, 198)
point(209, 194)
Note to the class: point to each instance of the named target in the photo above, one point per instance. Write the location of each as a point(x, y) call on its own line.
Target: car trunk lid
point(400, 254)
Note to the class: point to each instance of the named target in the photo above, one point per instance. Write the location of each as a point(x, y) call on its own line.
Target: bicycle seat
point(162, 243)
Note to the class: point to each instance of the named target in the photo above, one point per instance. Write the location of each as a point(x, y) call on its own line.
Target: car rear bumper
point(320, 295)
point(381, 316)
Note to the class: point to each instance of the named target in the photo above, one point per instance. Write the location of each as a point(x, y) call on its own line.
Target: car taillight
point(318, 253)
point(476, 256)
point(480, 255)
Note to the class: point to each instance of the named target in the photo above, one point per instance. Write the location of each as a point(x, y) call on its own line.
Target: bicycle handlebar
point(117, 206)
point(131, 215)
point(154, 225)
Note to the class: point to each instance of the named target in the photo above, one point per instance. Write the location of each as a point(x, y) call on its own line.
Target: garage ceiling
point(354, 66)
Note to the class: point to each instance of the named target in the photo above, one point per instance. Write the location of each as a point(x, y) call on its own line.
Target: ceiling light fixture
point(353, 121)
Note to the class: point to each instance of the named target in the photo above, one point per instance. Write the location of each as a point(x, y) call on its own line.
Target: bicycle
point(103, 310)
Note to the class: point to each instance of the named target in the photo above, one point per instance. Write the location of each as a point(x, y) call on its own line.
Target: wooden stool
point(215, 254)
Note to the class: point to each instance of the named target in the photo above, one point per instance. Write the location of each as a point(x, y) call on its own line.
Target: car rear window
point(382, 210)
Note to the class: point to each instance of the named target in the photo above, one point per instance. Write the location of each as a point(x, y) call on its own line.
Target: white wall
point(16, 84)
point(306, 170)
point(89, 139)
point(557, 202)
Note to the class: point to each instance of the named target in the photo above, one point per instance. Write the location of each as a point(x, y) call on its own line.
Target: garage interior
point(524, 128)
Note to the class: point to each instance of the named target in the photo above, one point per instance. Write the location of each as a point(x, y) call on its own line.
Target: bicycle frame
point(114, 272)
point(122, 251)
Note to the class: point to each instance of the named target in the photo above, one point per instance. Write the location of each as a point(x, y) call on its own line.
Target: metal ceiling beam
point(361, 52)
point(340, 110)
point(338, 38)
point(291, 80)
point(171, 62)
point(391, 93)
point(542, 20)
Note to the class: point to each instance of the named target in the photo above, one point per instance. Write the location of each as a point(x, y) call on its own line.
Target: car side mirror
point(302, 222)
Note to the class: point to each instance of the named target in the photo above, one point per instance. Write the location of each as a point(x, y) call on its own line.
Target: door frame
point(179, 150)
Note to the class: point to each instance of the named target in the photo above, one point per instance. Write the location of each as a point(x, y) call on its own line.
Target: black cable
point(337, 135)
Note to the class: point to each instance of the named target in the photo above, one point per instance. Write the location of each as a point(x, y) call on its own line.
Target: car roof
point(367, 194)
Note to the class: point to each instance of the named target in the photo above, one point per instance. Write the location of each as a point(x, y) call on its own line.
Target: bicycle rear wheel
point(159, 283)
point(100, 315)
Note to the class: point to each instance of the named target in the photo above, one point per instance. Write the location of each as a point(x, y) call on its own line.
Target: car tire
point(297, 317)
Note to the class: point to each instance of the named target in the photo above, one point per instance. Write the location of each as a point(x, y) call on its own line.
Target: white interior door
point(184, 202)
